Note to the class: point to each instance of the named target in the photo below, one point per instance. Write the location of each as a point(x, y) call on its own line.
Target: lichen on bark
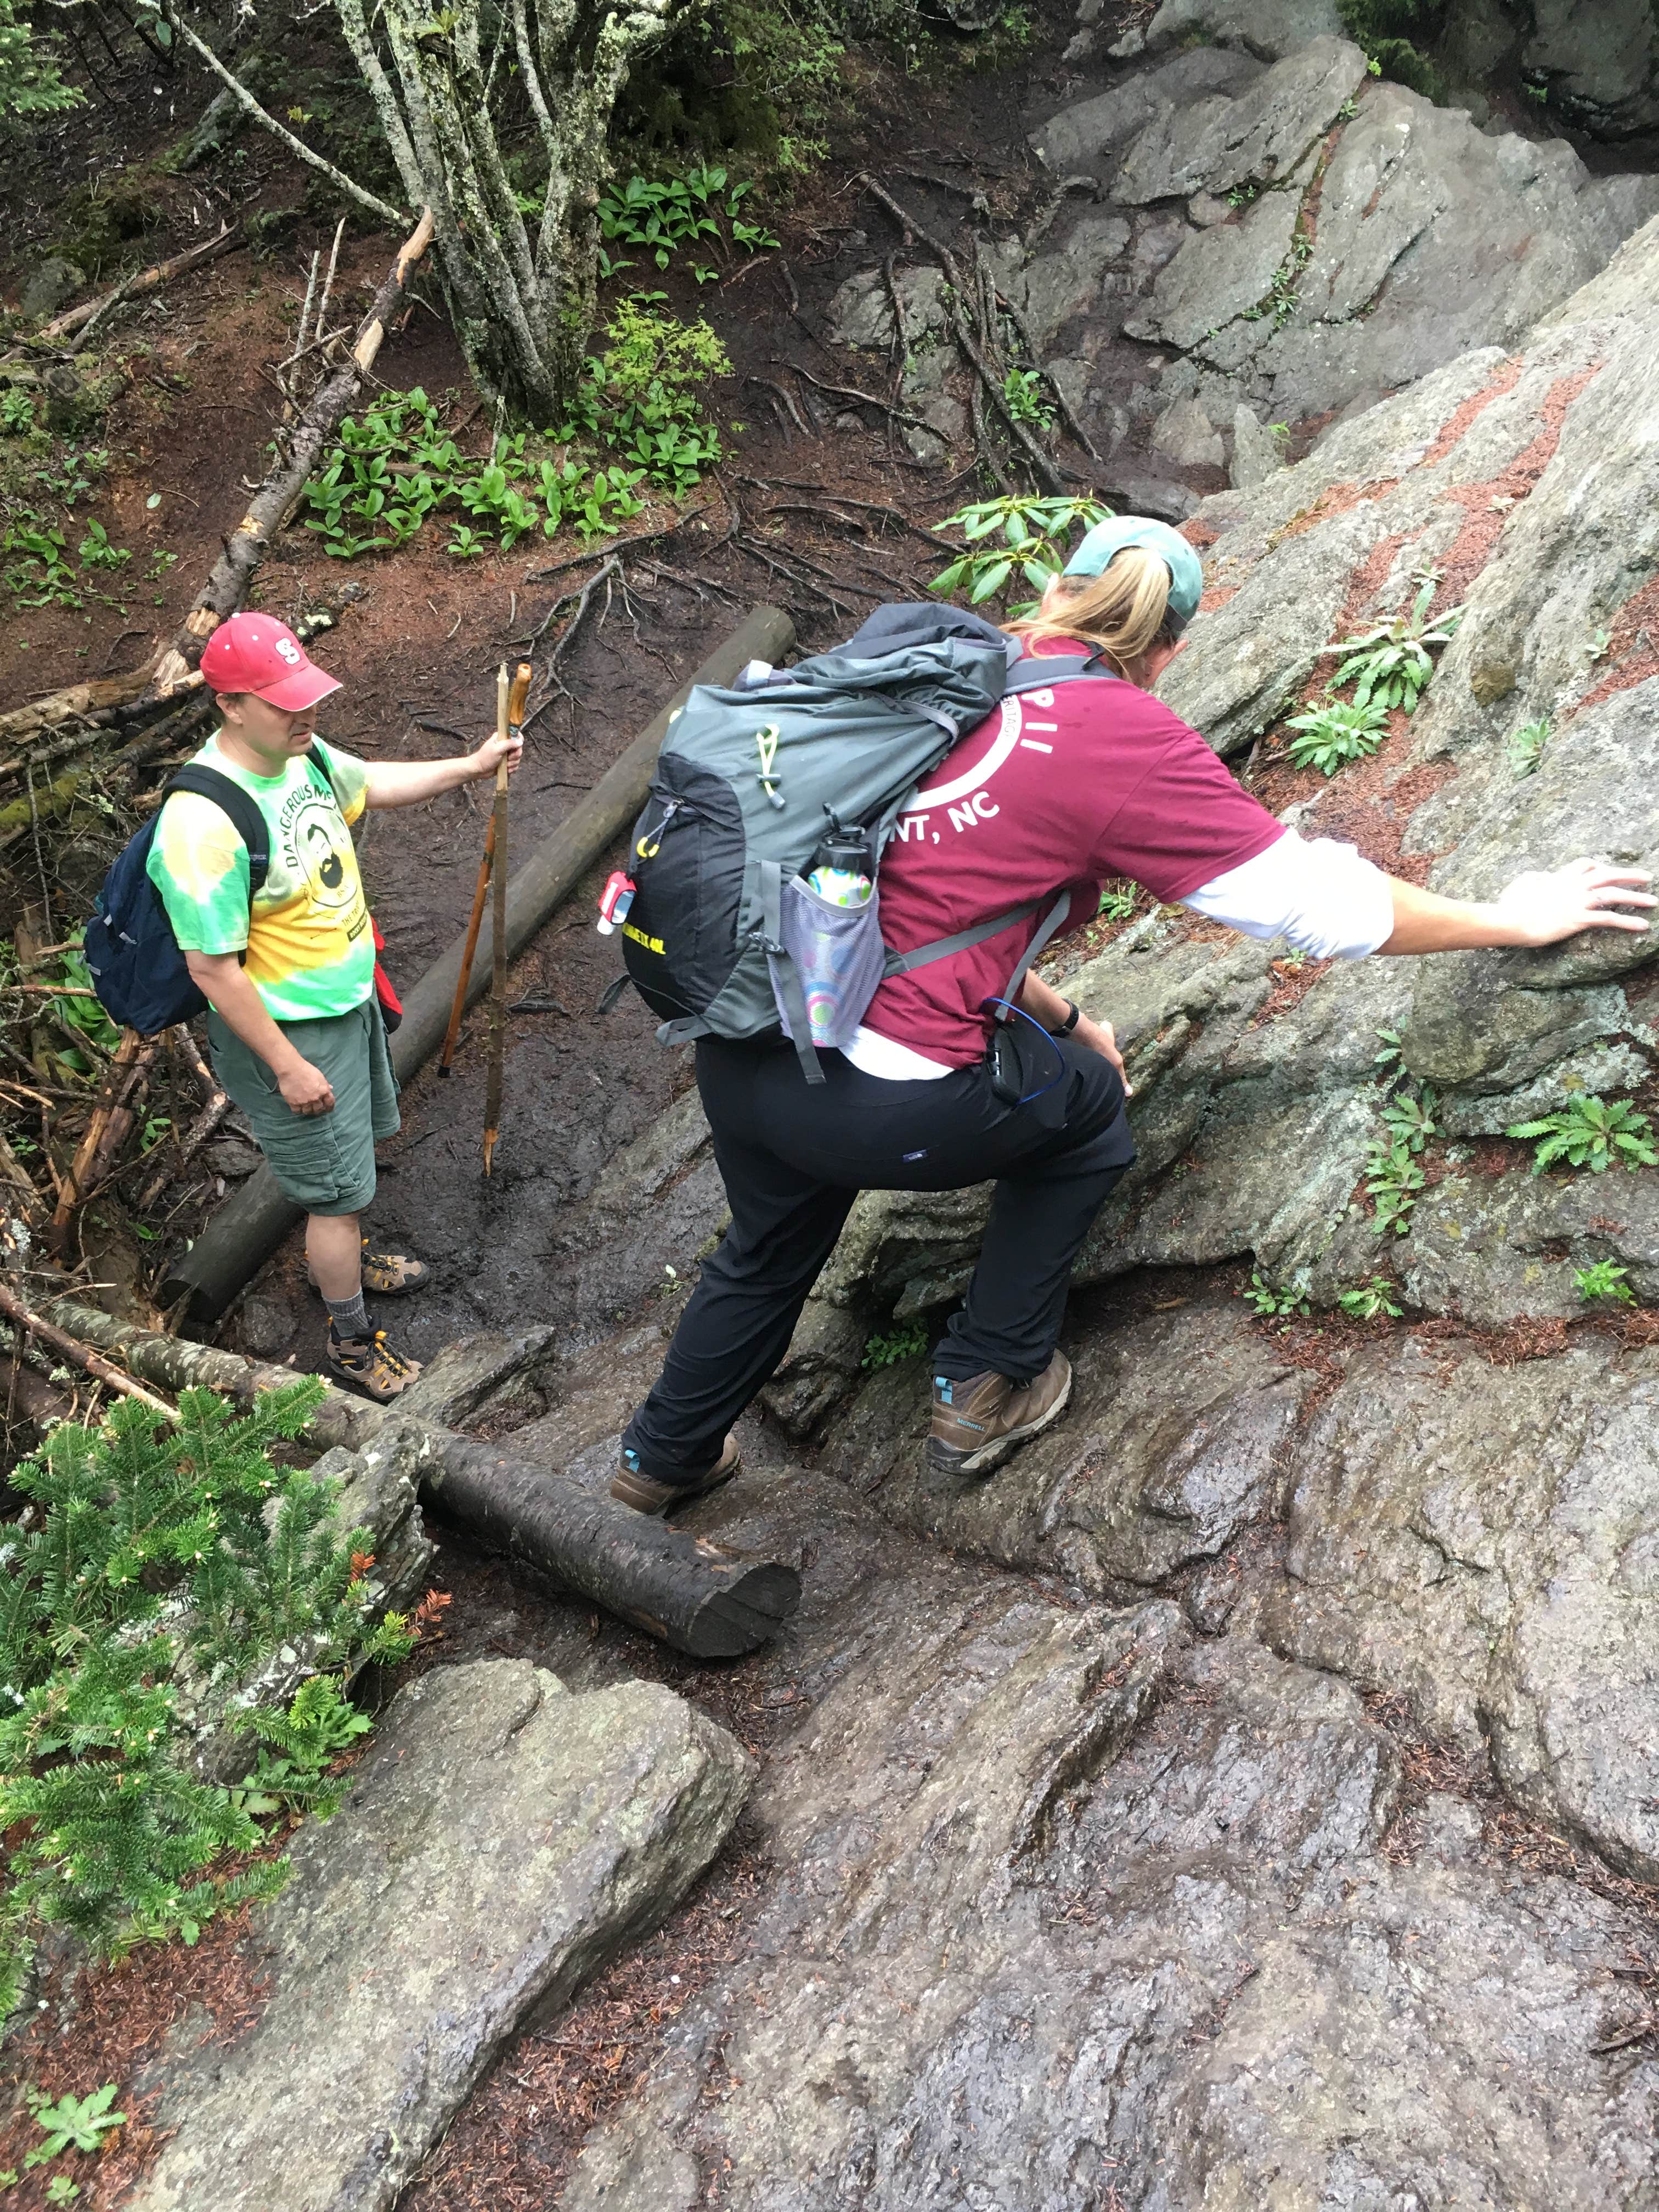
point(522, 300)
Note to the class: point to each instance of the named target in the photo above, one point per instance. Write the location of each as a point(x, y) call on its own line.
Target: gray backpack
point(726, 937)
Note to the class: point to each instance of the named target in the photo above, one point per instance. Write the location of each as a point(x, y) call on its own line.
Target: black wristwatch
point(1073, 1016)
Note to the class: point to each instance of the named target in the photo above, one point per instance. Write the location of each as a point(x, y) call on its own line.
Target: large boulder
point(500, 1841)
point(1373, 237)
point(1600, 65)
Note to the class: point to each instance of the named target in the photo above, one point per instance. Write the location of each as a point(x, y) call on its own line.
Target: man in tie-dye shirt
point(293, 1025)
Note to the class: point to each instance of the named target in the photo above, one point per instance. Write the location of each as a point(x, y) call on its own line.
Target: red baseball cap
point(258, 654)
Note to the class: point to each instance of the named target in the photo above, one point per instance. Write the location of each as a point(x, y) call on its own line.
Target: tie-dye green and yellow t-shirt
point(310, 944)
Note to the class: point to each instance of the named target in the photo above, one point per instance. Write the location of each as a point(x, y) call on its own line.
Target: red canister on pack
point(614, 902)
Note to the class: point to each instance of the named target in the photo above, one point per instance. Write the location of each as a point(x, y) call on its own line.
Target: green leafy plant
point(97, 552)
point(1525, 746)
point(155, 1555)
point(37, 572)
point(60, 2190)
point(641, 398)
point(1023, 393)
point(17, 412)
point(1603, 1279)
point(1117, 902)
point(73, 2122)
point(1589, 1132)
point(1408, 1117)
point(665, 214)
point(1389, 1055)
point(1033, 535)
point(1329, 736)
point(1393, 1179)
point(1390, 662)
point(1268, 1299)
point(909, 1342)
point(298, 1747)
point(1365, 1301)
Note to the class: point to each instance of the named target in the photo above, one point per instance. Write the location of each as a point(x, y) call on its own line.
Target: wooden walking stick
point(480, 891)
point(510, 713)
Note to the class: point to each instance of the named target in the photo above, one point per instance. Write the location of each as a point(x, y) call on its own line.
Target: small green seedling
point(1525, 746)
point(1393, 1180)
point(1367, 1300)
point(1409, 1119)
point(887, 1351)
point(73, 2122)
point(1117, 902)
point(1389, 1055)
point(1268, 1299)
point(60, 2190)
point(1327, 737)
point(1588, 1132)
point(1603, 1279)
point(1023, 394)
point(1390, 661)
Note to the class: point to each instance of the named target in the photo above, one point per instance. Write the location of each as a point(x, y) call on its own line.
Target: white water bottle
point(838, 886)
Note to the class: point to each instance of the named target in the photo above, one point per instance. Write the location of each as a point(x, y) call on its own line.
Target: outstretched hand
point(490, 753)
point(1542, 908)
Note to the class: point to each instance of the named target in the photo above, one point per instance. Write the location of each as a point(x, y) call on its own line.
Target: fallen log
point(79, 699)
point(703, 1599)
point(244, 1233)
point(277, 496)
point(75, 1348)
point(135, 287)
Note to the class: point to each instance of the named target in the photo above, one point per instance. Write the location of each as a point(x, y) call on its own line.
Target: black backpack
point(726, 937)
point(138, 967)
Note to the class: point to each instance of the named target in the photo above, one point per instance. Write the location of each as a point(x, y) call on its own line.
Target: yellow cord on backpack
point(766, 745)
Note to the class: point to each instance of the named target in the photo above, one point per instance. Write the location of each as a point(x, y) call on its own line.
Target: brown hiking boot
point(369, 1365)
point(393, 1274)
point(978, 1422)
point(646, 1496)
point(387, 1275)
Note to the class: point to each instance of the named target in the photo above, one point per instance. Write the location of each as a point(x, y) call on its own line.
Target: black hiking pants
point(793, 1157)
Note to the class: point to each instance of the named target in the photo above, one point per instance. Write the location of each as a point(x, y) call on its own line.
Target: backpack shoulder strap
point(941, 948)
point(316, 759)
point(247, 817)
point(1060, 668)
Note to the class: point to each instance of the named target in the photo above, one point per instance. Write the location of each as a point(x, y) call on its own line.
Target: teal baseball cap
point(1107, 539)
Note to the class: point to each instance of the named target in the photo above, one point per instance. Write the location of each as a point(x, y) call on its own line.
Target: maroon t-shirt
point(1055, 791)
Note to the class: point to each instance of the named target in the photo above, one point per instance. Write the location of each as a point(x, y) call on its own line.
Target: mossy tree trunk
point(521, 281)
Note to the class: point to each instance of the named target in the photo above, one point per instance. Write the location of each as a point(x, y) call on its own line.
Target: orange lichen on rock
point(1457, 425)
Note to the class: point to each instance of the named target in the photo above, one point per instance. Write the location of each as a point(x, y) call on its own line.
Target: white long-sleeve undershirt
point(1321, 897)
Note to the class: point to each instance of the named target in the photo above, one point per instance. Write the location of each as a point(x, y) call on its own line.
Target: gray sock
point(349, 1316)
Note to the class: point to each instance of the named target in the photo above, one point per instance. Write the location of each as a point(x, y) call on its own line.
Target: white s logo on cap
point(289, 651)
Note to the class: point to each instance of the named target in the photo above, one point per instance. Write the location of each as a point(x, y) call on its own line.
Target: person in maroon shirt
point(1058, 789)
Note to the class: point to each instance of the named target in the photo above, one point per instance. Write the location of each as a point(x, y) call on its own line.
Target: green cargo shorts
point(323, 1162)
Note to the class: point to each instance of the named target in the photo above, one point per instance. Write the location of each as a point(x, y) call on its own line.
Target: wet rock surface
point(500, 1840)
point(1169, 1819)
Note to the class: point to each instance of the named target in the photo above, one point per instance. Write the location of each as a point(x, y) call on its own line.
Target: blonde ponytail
point(1123, 612)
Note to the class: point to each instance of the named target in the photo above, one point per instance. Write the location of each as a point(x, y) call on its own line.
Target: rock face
point(501, 1840)
point(1294, 237)
point(1018, 1956)
point(1487, 1542)
point(1600, 64)
point(1532, 481)
point(1376, 235)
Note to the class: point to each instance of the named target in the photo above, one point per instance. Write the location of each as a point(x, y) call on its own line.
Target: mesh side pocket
point(839, 956)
